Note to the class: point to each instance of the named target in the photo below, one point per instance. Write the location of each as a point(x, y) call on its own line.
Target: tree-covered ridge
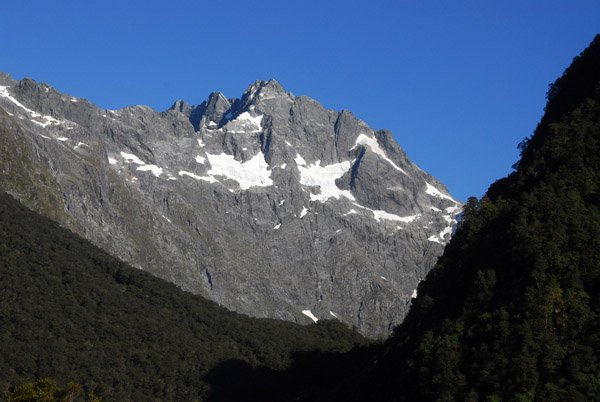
point(71, 312)
point(511, 311)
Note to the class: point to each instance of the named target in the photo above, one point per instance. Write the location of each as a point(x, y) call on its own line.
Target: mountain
point(511, 311)
point(270, 205)
point(72, 312)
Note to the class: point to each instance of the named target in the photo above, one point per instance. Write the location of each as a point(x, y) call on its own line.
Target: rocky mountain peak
point(182, 107)
point(269, 204)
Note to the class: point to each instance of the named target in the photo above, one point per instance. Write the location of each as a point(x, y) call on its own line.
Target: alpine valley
point(270, 205)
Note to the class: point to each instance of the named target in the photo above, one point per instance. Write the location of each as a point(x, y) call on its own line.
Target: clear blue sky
point(458, 83)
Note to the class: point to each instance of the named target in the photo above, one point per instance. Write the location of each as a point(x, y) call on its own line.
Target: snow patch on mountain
point(299, 160)
point(256, 120)
point(372, 143)
point(453, 209)
point(253, 172)
point(434, 192)
point(195, 176)
point(310, 315)
point(440, 238)
point(156, 171)
point(132, 158)
point(46, 120)
point(245, 123)
point(380, 215)
point(324, 177)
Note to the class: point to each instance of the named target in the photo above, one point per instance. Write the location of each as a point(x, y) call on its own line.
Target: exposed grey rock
point(269, 204)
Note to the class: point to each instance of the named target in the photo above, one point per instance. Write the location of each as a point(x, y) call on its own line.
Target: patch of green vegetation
point(71, 312)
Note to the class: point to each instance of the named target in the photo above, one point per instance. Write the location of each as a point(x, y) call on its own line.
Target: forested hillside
point(511, 310)
point(71, 312)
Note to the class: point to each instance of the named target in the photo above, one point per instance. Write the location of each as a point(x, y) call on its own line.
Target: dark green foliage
point(511, 311)
point(46, 390)
point(71, 312)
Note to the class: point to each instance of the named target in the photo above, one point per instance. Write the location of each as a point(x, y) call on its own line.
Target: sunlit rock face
point(271, 205)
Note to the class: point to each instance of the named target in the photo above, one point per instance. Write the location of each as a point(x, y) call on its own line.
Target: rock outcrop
point(270, 204)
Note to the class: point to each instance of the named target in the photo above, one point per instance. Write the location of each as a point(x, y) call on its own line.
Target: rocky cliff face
point(270, 204)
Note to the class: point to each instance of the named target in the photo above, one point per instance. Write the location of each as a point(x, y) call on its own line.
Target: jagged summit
point(269, 204)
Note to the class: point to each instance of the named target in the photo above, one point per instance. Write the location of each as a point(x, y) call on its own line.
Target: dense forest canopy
point(71, 312)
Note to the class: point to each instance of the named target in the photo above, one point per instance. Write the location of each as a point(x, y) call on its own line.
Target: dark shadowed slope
point(71, 312)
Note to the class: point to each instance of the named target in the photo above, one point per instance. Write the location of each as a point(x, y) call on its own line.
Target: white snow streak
point(304, 211)
point(244, 123)
point(277, 226)
point(47, 120)
point(299, 160)
point(434, 192)
point(132, 158)
point(200, 159)
point(380, 215)
point(383, 215)
point(310, 315)
point(453, 209)
point(195, 176)
point(156, 171)
point(372, 143)
point(440, 237)
point(248, 117)
point(112, 161)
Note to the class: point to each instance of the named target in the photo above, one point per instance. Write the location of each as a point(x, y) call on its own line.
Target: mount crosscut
point(270, 204)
